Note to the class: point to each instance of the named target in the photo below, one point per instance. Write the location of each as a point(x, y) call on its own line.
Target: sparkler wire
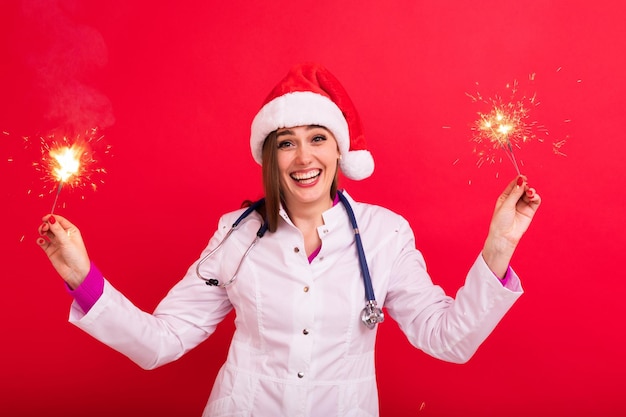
point(508, 150)
point(56, 197)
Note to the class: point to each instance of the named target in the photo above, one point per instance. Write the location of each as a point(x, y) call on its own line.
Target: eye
point(318, 138)
point(283, 144)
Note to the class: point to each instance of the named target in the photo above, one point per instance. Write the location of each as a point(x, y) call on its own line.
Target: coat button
point(305, 289)
point(300, 374)
point(305, 331)
point(296, 249)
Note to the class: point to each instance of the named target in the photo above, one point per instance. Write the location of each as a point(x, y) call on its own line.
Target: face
point(307, 162)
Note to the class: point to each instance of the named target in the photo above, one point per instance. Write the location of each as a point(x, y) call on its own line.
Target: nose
point(303, 154)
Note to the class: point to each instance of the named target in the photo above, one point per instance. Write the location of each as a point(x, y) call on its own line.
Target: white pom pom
point(357, 165)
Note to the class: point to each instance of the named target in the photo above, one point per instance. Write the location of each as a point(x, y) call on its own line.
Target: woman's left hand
point(514, 211)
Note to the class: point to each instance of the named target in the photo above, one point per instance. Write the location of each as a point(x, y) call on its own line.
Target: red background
point(174, 88)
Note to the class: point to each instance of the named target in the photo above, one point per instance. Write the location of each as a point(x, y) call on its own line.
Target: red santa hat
point(311, 95)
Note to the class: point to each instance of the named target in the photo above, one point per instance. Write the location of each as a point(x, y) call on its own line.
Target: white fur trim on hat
point(300, 108)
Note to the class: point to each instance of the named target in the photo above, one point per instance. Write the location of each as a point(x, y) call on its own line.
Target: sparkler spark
point(506, 122)
point(65, 162)
point(505, 126)
point(70, 161)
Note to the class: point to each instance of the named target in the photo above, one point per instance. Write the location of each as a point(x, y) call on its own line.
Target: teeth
point(302, 176)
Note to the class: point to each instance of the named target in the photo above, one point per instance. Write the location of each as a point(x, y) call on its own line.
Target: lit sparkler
point(69, 162)
point(66, 162)
point(506, 125)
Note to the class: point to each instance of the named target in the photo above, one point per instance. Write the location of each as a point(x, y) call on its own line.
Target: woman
point(304, 344)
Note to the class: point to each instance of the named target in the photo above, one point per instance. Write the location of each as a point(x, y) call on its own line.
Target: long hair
point(271, 181)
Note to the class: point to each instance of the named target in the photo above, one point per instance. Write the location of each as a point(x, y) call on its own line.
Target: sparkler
point(506, 125)
point(499, 126)
point(66, 163)
point(69, 162)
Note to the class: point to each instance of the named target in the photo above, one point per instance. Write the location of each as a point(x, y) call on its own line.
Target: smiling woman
point(300, 346)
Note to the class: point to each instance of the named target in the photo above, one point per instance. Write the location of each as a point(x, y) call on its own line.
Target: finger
point(54, 228)
point(531, 199)
point(536, 200)
point(44, 238)
point(43, 231)
point(514, 190)
point(69, 227)
point(59, 225)
point(65, 223)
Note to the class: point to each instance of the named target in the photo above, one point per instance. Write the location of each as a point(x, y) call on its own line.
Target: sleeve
point(447, 328)
point(88, 293)
point(186, 316)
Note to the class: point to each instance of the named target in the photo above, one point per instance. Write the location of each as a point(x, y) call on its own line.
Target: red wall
point(174, 88)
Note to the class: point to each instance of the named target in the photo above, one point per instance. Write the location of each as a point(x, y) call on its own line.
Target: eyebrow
point(284, 133)
point(308, 127)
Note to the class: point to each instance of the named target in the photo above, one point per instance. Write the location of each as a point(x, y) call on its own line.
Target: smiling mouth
point(306, 177)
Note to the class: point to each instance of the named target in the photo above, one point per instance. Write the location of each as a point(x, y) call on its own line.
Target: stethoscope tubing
point(371, 314)
point(259, 234)
point(367, 280)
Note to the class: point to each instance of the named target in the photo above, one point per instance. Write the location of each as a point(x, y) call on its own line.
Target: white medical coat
point(300, 348)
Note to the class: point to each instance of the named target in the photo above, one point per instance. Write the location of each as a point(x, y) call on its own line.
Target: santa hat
point(310, 95)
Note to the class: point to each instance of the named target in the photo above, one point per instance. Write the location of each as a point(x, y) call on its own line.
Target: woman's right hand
point(63, 244)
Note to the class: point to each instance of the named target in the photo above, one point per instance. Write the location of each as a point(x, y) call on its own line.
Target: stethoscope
point(370, 315)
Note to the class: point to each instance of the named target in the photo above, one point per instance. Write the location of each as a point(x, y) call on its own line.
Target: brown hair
point(271, 181)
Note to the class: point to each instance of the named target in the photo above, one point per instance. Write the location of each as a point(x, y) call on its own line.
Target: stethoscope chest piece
point(371, 315)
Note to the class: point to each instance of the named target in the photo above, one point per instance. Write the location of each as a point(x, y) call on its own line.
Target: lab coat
point(300, 348)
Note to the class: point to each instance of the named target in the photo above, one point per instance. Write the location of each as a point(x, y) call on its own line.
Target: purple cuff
point(506, 278)
point(87, 293)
